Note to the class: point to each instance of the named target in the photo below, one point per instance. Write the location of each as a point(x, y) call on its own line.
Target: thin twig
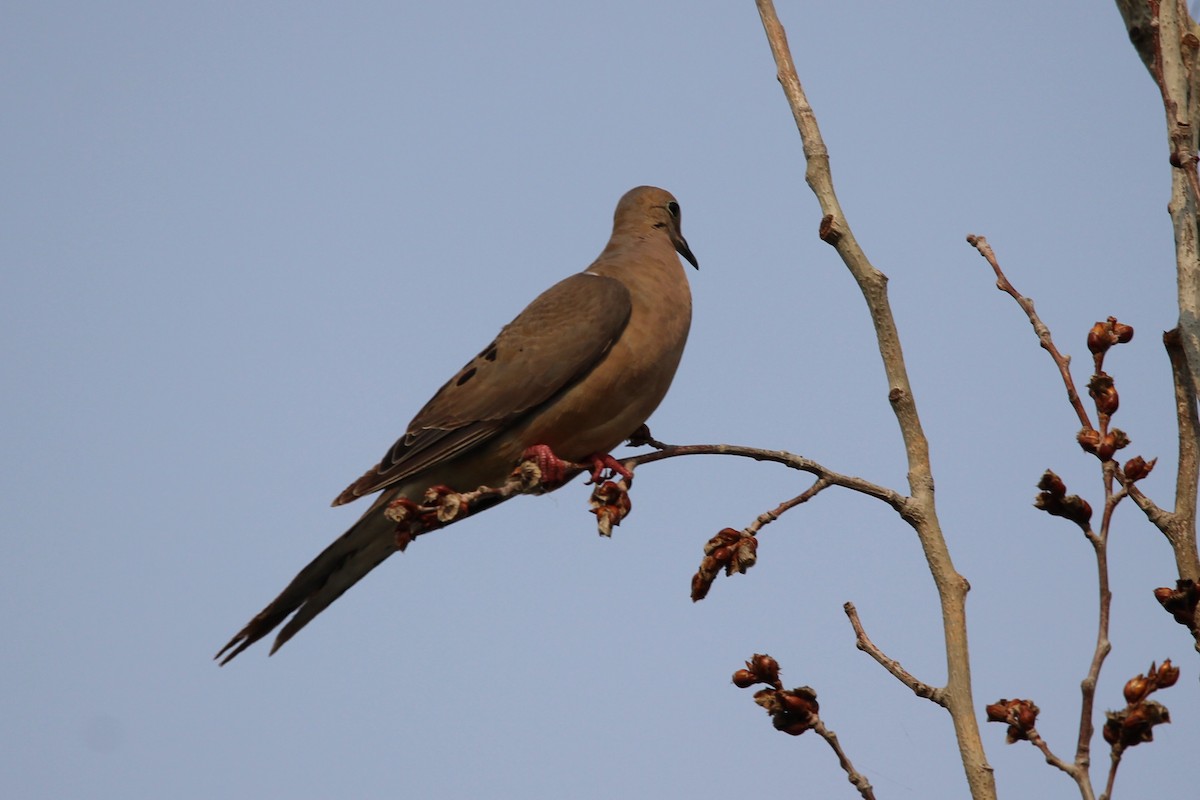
point(1099, 541)
point(857, 779)
point(1037, 741)
point(1112, 772)
point(1087, 686)
point(768, 517)
point(1063, 363)
point(864, 643)
point(826, 475)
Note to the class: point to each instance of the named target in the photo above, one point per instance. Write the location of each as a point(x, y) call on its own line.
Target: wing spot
point(466, 376)
point(490, 354)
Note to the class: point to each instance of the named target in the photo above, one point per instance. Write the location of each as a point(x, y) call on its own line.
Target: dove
point(572, 377)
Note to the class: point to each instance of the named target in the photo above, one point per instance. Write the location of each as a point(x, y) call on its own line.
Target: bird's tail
point(342, 564)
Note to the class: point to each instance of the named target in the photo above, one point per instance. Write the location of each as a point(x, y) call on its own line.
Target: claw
point(554, 471)
point(604, 461)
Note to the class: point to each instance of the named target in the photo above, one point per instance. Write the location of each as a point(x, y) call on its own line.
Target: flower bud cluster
point(730, 550)
point(610, 503)
point(1054, 499)
point(792, 711)
point(1020, 716)
point(1135, 723)
point(1181, 601)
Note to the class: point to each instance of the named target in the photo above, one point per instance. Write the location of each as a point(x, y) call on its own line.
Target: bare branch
point(768, 517)
point(864, 643)
point(1063, 363)
point(826, 475)
point(1037, 741)
point(1087, 686)
point(922, 511)
point(1114, 762)
point(1165, 37)
point(1168, 41)
point(856, 778)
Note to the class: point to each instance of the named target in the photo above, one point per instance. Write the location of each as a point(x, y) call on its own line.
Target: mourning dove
point(577, 372)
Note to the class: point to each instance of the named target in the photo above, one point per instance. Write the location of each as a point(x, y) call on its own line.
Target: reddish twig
point(1063, 363)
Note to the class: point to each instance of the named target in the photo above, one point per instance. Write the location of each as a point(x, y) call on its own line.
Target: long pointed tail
point(342, 564)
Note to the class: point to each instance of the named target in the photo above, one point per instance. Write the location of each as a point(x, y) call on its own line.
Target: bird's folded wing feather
point(529, 363)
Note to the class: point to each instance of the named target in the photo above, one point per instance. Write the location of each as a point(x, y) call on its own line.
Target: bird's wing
point(547, 349)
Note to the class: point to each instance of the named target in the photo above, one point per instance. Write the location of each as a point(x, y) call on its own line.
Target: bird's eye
point(673, 207)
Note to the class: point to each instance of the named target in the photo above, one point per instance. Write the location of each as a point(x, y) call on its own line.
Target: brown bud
point(1181, 601)
point(765, 667)
point(724, 538)
point(793, 724)
point(1166, 676)
point(801, 700)
point(1026, 716)
point(1021, 716)
point(769, 700)
point(743, 556)
point(828, 230)
point(1104, 393)
point(701, 582)
point(997, 712)
point(1111, 442)
point(610, 503)
point(1052, 484)
point(1134, 724)
point(1137, 689)
point(1089, 439)
point(744, 678)
point(1137, 468)
point(731, 550)
point(1098, 339)
point(1054, 500)
point(1104, 335)
point(1112, 731)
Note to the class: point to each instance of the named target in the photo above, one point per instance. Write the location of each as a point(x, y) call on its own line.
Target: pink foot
point(603, 461)
point(556, 471)
point(553, 468)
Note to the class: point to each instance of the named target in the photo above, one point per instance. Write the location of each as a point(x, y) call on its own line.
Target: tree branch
point(1168, 41)
point(827, 476)
point(1043, 332)
point(864, 643)
point(951, 586)
point(856, 778)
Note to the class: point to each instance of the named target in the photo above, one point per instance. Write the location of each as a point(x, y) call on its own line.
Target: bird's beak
point(681, 247)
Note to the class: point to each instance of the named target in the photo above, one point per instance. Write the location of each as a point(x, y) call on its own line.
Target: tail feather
point(342, 564)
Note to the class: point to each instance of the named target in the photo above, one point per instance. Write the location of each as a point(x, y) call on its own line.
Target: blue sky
point(243, 243)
